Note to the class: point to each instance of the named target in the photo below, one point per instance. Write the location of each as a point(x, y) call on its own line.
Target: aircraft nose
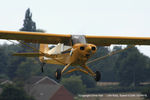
point(87, 55)
point(91, 49)
point(88, 49)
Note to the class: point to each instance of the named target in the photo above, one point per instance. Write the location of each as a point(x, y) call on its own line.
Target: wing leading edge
point(35, 37)
point(108, 40)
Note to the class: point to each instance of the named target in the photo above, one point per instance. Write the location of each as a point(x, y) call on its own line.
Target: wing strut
point(110, 54)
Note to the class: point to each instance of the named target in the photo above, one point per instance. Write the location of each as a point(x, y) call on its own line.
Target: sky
point(86, 17)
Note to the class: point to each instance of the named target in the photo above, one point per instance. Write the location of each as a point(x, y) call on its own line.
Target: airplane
point(70, 50)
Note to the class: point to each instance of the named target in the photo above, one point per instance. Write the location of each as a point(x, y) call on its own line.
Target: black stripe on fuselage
point(65, 52)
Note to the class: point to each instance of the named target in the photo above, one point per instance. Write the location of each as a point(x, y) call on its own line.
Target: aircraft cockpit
point(78, 39)
point(61, 47)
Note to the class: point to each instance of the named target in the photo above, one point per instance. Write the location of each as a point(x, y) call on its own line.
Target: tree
point(105, 66)
point(29, 24)
point(146, 91)
point(74, 84)
point(11, 92)
point(12, 62)
point(3, 59)
point(88, 81)
point(130, 66)
point(27, 67)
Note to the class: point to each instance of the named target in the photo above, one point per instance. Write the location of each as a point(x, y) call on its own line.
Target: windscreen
point(78, 39)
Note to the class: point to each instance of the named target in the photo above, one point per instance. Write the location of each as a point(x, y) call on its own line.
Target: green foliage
point(11, 92)
point(29, 24)
point(88, 81)
point(146, 91)
point(113, 89)
point(40, 30)
point(78, 98)
point(130, 66)
point(74, 84)
point(26, 69)
point(17, 67)
point(3, 58)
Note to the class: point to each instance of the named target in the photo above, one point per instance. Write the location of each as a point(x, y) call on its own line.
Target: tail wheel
point(98, 76)
point(58, 74)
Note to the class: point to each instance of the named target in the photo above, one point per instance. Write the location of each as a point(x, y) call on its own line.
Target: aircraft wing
point(49, 38)
point(108, 40)
point(35, 37)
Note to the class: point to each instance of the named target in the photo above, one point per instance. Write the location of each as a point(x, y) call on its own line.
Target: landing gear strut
point(42, 67)
point(85, 69)
point(97, 76)
point(58, 74)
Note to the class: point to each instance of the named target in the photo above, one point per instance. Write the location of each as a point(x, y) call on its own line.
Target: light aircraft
point(70, 50)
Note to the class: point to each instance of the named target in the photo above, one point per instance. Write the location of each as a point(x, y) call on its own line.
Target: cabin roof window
point(78, 39)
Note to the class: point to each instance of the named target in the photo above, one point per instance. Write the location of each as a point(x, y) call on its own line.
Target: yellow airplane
point(70, 50)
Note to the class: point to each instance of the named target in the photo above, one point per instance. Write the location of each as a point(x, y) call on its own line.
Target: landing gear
point(85, 69)
point(58, 74)
point(42, 67)
point(97, 76)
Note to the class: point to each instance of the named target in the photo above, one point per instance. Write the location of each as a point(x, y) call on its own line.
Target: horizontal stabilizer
point(28, 54)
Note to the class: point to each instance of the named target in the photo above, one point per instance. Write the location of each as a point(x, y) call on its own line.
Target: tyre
point(58, 74)
point(98, 76)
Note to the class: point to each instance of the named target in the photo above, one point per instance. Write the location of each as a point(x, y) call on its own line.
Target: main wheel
point(58, 74)
point(98, 76)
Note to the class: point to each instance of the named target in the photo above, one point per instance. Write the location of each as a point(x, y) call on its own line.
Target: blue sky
point(92, 17)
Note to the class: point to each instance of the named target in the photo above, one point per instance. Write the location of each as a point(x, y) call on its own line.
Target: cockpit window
point(78, 39)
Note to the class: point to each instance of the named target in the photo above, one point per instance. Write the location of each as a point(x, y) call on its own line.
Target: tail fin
point(44, 49)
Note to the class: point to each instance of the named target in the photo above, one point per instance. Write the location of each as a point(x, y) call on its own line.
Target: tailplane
point(32, 54)
point(42, 50)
